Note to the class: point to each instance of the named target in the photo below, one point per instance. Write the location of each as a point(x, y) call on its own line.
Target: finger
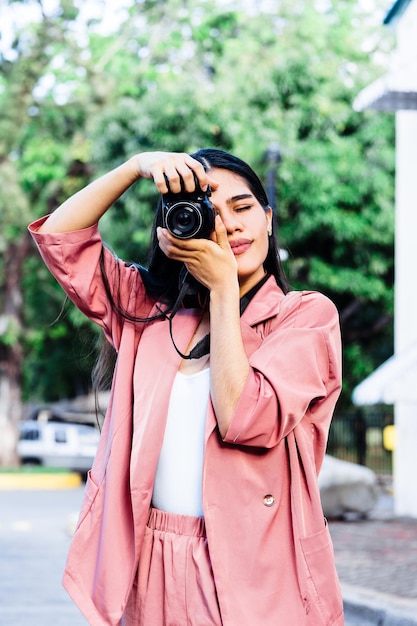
point(167, 248)
point(161, 181)
point(212, 182)
point(220, 232)
point(199, 173)
point(173, 177)
point(178, 249)
point(195, 171)
point(165, 241)
point(180, 174)
point(203, 178)
point(170, 172)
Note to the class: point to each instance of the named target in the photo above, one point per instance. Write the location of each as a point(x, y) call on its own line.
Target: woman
point(202, 506)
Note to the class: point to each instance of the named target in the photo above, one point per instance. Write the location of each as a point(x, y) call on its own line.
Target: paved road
point(35, 532)
point(34, 539)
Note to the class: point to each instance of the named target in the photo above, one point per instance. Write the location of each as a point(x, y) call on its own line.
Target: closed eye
point(238, 209)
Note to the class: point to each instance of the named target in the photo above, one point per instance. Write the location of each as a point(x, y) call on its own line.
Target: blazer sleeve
point(73, 258)
point(295, 373)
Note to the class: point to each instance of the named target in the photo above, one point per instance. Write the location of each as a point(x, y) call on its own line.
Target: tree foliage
point(213, 76)
point(77, 100)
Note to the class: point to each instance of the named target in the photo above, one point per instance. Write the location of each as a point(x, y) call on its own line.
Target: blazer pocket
point(90, 493)
point(322, 577)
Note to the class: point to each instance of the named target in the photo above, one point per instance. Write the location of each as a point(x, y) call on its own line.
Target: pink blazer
point(269, 544)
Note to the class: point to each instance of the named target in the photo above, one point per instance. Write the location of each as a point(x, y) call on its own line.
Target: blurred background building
point(395, 382)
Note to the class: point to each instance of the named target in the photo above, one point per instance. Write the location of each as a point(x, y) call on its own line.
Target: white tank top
point(179, 474)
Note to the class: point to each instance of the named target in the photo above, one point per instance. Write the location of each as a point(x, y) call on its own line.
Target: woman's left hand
point(210, 261)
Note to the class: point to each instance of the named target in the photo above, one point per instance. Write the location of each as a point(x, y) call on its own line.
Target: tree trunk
point(11, 352)
point(10, 404)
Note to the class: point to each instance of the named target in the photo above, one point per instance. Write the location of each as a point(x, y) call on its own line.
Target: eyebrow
point(242, 196)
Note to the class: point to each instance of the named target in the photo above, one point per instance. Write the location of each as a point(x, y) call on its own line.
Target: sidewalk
point(376, 559)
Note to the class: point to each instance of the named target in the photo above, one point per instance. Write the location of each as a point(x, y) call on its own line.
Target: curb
point(373, 607)
point(17, 481)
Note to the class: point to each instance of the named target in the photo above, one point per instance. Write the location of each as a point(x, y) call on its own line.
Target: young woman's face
point(247, 224)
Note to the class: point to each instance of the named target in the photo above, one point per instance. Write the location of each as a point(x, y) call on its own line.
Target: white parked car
point(58, 444)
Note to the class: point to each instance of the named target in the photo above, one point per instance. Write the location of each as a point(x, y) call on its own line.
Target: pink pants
point(174, 584)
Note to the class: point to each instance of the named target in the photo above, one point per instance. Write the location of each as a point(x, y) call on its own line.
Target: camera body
point(188, 215)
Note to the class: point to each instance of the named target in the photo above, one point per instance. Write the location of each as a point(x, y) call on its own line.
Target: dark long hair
point(162, 277)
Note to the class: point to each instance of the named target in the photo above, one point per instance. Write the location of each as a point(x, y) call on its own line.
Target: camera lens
point(183, 220)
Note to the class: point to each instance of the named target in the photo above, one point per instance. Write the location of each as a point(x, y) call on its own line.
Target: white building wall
point(406, 30)
point(405, 323)
point(397, 89)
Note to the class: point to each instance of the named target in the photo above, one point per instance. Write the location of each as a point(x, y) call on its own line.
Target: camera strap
point(203, 346)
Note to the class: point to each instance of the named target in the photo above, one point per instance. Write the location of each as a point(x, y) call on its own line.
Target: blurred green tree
point(284, 75)
point(179, 75)
point(42, 159)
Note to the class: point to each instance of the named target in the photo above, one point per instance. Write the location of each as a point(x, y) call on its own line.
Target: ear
point(269, 215)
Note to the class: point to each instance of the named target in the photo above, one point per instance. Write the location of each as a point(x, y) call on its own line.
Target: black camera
point(188, 215)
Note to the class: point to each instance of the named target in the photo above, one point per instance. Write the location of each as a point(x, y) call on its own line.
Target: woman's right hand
point(170, 168)
point(87, 206)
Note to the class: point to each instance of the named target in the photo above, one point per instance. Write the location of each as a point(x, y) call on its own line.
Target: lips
point(239, 246)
